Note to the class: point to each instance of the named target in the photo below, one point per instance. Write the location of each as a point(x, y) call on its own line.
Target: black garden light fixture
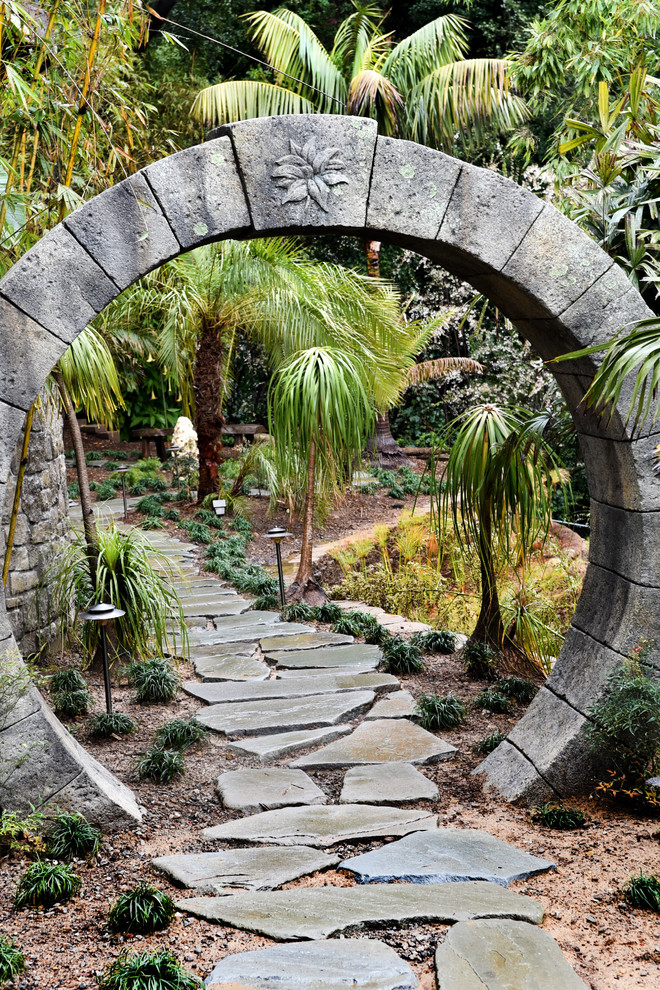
point(104, 615)
point(123, 471)
point(172, 450)
point(277, 534)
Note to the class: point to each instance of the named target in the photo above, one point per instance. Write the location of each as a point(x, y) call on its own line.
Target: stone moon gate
point(333, 174)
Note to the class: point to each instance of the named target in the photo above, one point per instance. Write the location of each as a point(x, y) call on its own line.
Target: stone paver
point(321, 826)
point(399, 705)
point(386, 783)
point(447, 855)
point(300, 638)
point(310, 712)
point(246, 629)
point(248, 869)
point(230, 668)
point(501, 955)
point(359, 964)
point(353, 656)
point(321, 912)
point(217, 693)
point(279, 744)
point(384, 741)
point(261, 790)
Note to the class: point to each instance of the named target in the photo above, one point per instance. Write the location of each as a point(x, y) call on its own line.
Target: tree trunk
point(304, 586)
point(209, 420)
point(489, 629)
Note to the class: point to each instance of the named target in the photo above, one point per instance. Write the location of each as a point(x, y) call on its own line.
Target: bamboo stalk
point(27, 429)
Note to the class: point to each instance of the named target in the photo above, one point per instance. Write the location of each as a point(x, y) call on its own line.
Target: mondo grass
point(12, 961)
point(71, 836)
point(517, 688)
point(147, 971)
point(489, 743)
point(300, 612)
point(329, 612)
point(70, 704)
point(268, 601)
point(180, 733)
point(108, 724)
point(45, 884)
point(481, 661)
point(356, 623)
point(560, 817)
point(437, 711)
point(436, 641)
point(155, 680)
point(493, 701)
point(143, 910)
point(643, 891)
point(161, 765)
point(401, 657)
point(70, 679)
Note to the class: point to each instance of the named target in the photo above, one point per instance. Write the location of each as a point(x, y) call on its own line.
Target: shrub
point(173, 515)
point(107, 724)
point(71, 836)
point(209, 518)
point(45, 884)
point(150, 505)
point(142, 910)
point(517, 688)
point(154, 680)
point(147, 971)
point(21, 833)
point(152, 522)
point(329, 612)
point(107, 489)
point(481, 661)
point(94, 455)
point(198, 532)
point(489, 743)
point(111, 465)
point(436, 641)
point(137, 487)
point(559, 816)
point(493, 701)
point(643, 891)
point(180, 733)
point(401, 657)
point(300, 612)
point(161, 765)
point(437, 711)
point(70, 679)
point(70, 704)
point(242, 525)
point(181, 495)
point(12, 961)
point(73, 490)
point(267, 600)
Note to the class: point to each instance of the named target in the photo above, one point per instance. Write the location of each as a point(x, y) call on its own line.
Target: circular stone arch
point(554, 283)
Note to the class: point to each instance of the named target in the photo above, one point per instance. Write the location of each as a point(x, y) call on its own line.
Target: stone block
point(386, 783)
point(252, 791)
point(580, 674)
point(200, 192)
point(279, 744)
point(617, 612)
point(514, 777)
point(620, 473)
point(58, 284)
point(626, 542)
point(11, 429)
point(308, 171)
point(29, 354)
point(254, 718)
point(22, 581)
point(410, 188)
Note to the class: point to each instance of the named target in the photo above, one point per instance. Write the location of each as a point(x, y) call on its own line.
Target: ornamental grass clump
point(436, 641)
point(489, 743)
point(12, 961)
point(268, 601)
point(108, 724)
point(161, 765)
point(481, 661)
point(300, 612)
point(493, 701)
point(643, 891)
point(436, 711)
point(329, 612)
point(70, 679)
point(143, 910)
point(70, 704)
point(517, 688)
point(560, 817)
point(147, 971)
point(71, 836)
point(181, 733)
point(155, 680)
point(45, 884)
point(401, 657)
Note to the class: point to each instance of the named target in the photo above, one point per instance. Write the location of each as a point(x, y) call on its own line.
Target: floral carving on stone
point(309, 175)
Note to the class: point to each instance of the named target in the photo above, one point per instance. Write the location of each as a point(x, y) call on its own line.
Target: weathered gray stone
point(401, 704)
point(386, 783)
point(234, 667)
point(200, 192)
point(29, 354)
point(499, 955)
point(446, 855)
point(354, 656)
point(620, 473)
point(321, 912)
point(321, 826)
point(231, 605)
point(293, 687)
point(250, 869)
point(383, 741)
point(579, 677)
point(125, 231)
point(281, 743)
point(252, 791)
point(287, 714)
point(275, 641)
point(630, 608)
point(625, 542)
point(305, 172)
point(334, 965)
point(58, 285)
point(243, 630)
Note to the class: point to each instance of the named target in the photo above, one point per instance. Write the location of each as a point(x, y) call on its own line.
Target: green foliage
point(226, 557)
point(198, 532)
point(147, 971)
point(143, 910)
point(70, 704)
point(21, 833)
point(44, 884)
point(209, 518)
point(107, 489)
point(70, 679)
point(329, 612)
point(493, 701)
point(560, 817)
point(94, 455)
point(401, 657)
point(150, 505)
point(155, 680)
point(300, 612)
point(152, 522)
point(73, 490)
point(160, 765)
point(111, 465)
point(268, 600)
point(173, 515)
point(71, 836)
point(355, 623)
point(107, 724)
point(518, 688)
point(481, 660)
point(643, 891)
point(489, 743)
point(180, 733)
point(12, 961)
point(436, 711)
point(436, 641)
point(242, 525)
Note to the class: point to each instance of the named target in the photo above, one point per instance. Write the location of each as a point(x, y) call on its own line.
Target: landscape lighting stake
point(277, 534)
point(104, 614)
point(122, 472)
point(172, 449)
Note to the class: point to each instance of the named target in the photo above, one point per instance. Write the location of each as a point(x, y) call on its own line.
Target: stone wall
point(41, 527)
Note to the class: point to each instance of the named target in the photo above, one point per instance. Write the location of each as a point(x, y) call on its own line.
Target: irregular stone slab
point(311, 712)
point(230, 668)
point(281, 631)
point(400, 705)
point(384, 741)
point(216, 609)
point(261, 790)
point(308, 640)
point(312, 672)
point(296, 687)
point(386, 783)
point(250, 869)
point(335, 965)
point(321, 912)
point(498, 955)
point(355, 656)
point(281, 743)
point(446, 856)
point(322, 826)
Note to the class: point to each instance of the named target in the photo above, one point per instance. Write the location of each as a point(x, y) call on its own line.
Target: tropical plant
point(21, 833)
point(155, 680)
point(71, 836)
point(401, 657)
point(12, 960)
point(142, 910)
point(70, 704)
point(435, 712)
point(147, 971)
point(181, 733)
point(559, 816)
point(70, 679)
point(481, 660)
point(518, 688)
point(160, 765)
point(643, 891)
point(44, 884)
point(108, 724)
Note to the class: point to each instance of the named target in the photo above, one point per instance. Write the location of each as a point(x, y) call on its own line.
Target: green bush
point(73, 490)
point(437, 711)
point(70, 704)
point(111, 465)
point(107, 489)
point(242, 525)
point(643, 891)
point(12, 961)
point(94, 455)
point(198, 532)
point(71, 836)
point(300, 612)
point(152, 522)
point(481, 661)
point(209, 518)
point(107, 724)
point(143, 910)
point(173, 515)
point(329, 612)
point(493, 701)
point(517, 688)
point(268, 600)
point(70, 679)
point(401, 657)
point(147, 971)
point(21, 833)
point(155, 680)
point(160, 765)
point(180, 733)
point(150, 505)
point(45, 884)
point(489, 743)
point(560, 817)
point(137, 487)
point(436, 641)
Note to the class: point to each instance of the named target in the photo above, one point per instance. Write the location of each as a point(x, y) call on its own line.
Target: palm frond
point(437, 43)
point(426, 371)
point(355, 39)
point(371, 94)
point(90, 375)
point(246, 98)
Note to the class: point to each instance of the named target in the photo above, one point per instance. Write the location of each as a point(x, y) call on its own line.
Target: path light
point(277, 534)
point(172, 450)
point(123, 471)
point(219, 506)
point(104, 614)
